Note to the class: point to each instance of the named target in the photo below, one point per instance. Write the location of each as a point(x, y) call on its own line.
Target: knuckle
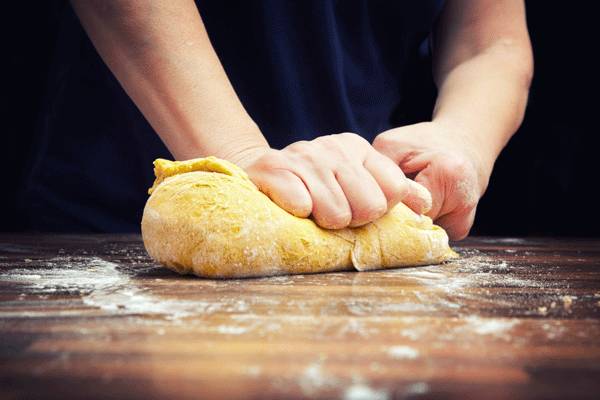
point(325, 139)
point(329, 143)
point(348, 169)
point(302, 149)
point(300, 146)
point(382, 140)
point(271, 160)
point(307, 154)
point(341, 141)
point(352, 137)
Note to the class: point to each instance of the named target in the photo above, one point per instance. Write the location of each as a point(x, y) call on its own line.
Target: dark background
point(545, 182)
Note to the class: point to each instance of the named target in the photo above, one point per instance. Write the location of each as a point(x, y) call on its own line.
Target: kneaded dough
point(205, 217)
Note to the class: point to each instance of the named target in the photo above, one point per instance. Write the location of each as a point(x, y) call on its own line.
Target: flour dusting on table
point(403, 352)
point(104, 285)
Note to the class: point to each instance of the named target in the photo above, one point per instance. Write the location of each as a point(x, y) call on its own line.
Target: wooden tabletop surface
point(94, 317)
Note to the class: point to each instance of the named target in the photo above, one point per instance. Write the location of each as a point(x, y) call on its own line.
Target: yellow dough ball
point(205, 217)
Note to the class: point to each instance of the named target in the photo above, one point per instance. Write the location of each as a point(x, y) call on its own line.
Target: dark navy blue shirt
point(301, 68)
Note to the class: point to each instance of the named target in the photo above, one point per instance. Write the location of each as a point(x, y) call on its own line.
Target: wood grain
point(93, 317)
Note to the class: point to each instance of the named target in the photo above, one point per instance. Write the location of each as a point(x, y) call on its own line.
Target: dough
point(206, 217)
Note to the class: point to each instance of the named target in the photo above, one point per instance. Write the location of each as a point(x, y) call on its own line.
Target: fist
point(338, 179)
point(447, 164)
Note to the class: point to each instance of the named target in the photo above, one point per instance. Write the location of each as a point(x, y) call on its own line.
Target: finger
point(419, 198)
point(458, 224)
point(402, 153)
point(330, 208)
point(366, 199)
point(437, 192)
point(286, 189)
point(388, 176)
point(396, 186)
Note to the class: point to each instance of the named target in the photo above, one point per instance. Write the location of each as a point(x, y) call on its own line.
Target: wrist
point(244, 156)
point(239, 145)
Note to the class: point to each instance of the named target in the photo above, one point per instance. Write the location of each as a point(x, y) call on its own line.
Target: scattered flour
point(359, 391)
point(355, 326)
point(448, 285)
point(232, 330)
point(416, 388)
point(314, 379)
point(490, 326)
point(253, 370)
point(503, 240)
point(554, 330)
point(366, 307)
point(103, 285)
point(567, 301)
point(403, 352)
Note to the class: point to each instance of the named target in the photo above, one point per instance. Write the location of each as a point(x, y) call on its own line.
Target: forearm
point(162, 56)
point(483, 66)
point(484, 99)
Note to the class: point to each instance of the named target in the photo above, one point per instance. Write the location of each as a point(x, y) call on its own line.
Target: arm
point(483, 67)
point(162, 56)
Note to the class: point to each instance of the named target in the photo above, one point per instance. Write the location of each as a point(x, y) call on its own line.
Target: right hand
point(339, 179)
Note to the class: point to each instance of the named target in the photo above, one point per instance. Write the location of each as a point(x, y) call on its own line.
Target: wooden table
point(94, 317)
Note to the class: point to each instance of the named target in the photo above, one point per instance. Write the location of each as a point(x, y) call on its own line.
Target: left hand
point(448, 163)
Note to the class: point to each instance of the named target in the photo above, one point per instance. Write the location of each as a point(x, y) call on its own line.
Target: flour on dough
point(205, 217)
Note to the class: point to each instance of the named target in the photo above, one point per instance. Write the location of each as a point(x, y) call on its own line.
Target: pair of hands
point(343, 180)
